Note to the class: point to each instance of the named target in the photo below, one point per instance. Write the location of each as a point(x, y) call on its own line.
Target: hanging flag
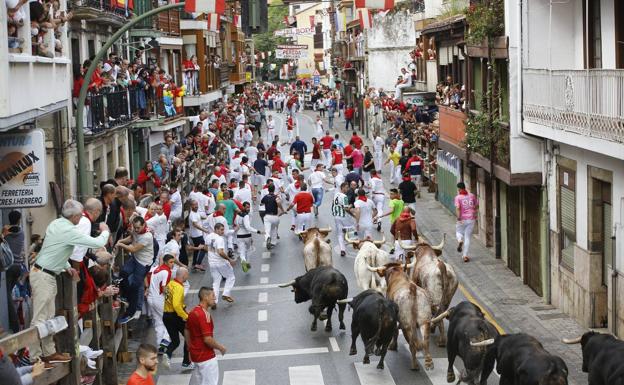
point(290, 21)
point(214, 22)
point(262, 55)
point(205, 6)
point(237, 21)
point(374, 4)
point(366, 18)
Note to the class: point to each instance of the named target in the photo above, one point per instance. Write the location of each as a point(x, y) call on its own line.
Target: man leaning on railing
point(60, 238)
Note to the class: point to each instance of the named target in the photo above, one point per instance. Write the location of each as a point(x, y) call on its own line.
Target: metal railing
point(107, 110)
point(104, 5)
point(585, 102)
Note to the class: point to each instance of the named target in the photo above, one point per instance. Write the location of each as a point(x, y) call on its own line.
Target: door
point(513, 229)
point(532, 239)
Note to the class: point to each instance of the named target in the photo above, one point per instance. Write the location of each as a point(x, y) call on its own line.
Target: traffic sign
point(316, 73)
point(316, 79)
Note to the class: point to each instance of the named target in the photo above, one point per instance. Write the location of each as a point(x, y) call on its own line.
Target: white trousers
point(206, 373)
point(378, 160)
point(366, 177)
point(303, 221)
point(221, 270)
point(270, 135)
point(342, 223)
point(365, 230)
point(259, 180)
point(271, 223)
point(328, 158)
point(395, 173)
point(378, 200)
point(339, 168)
point(463, 232)
point(291, 136)
point(244, 245)
point(156, 306)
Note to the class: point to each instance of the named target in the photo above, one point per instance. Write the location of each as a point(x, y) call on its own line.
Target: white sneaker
point(136, 315)
point(93, 354)
point(91, 364)
point(166, 363)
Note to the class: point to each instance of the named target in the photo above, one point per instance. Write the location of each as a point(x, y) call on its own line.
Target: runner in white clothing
point(159, 226)
point(316, 180)
point(319, 127)
point(220, 263)
point(378, 194)
point(244, 230)
point(270, 129)
point(158, 280)
point(364, 211)
point(378, 148)
point(342, 215)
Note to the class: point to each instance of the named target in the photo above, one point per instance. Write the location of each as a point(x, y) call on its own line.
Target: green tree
point(266, 41)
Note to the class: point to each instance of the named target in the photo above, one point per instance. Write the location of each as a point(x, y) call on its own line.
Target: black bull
point(324, 286)
point(603, 358)
point(376, 319)
point(468, 324)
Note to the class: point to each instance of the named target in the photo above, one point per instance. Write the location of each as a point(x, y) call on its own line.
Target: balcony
point(582, 108)
point(106, 111)
point(355, 48)
point(168, 22)
point(100, 12)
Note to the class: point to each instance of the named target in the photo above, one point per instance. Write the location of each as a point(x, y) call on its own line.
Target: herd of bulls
point(415, 298)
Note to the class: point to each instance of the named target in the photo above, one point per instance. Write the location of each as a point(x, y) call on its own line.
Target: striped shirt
point(339, 205)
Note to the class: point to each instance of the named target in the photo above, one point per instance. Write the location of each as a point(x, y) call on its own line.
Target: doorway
point(513, 229)
point(532, 239)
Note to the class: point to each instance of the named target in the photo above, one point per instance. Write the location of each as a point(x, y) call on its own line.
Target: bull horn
point(440, 317)
point(301, 232)
point(287, 284)
point(379, 243)
point(441, 245)
point(482, 343)
point(325, 230)
point(571, 341)
point(343, 301)
point(372, 269)
point(349, 240)
point(405, 246)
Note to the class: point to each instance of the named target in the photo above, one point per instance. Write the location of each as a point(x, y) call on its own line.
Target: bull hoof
point(378, 351)
point(416, 368)
point(366, 360)
point(450, 377)
point(328, 328)
point(342, 326)
point(428, 363)
point(380, 365)
point(323, 316)
point(353, 352)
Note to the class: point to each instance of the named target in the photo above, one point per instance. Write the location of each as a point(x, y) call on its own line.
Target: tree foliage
point(266, 41)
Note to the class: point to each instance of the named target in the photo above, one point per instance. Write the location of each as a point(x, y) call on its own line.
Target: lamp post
point(83, 187)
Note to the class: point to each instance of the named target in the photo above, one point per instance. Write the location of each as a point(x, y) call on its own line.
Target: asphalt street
point(267, 335)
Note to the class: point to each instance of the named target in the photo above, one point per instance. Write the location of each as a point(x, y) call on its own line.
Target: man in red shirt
point(165, 203)
point(304, 201)
point(316, 153)
point(199, 333)
point(337, 159)
point(147, 362)
point(349, 112)
point(326, 142)
point(356, 140)
point(290, 125)
point(348, 150)
point(271, 151)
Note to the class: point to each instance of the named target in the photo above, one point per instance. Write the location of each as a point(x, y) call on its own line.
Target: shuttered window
point(567, 216)
point(318, 36)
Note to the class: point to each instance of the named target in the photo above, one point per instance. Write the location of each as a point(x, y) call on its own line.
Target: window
point(318, 36)
point(619, 33)
point(91, 47)
point(592, 34)
point(75, 51)
point(567, 216)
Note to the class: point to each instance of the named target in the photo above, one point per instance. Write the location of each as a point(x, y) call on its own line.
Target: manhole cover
point(512, 301)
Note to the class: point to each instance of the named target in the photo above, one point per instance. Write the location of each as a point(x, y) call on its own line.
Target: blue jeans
point(330, 121)
point(347, 122)
point(317, 193)
point(133, 274)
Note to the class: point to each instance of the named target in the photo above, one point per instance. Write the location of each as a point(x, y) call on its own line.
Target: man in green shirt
point(230, 208)
point(61, 236)
point(396, 207)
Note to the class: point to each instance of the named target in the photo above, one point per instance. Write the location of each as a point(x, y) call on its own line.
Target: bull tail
point(444, 279)
point(317, 247)
point(373, 281)
point(373, 340)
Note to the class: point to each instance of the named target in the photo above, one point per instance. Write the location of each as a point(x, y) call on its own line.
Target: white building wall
point(389, 43)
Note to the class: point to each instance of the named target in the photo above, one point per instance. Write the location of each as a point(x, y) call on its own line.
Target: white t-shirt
point(159, 226)
point(243, 195)
point(366, 211)
point(145, 256)
point(338, 180)
point(252, 153)
point(378, 144)
point(377, 185)
point(195, 119)
point(316, 179)
point(172, 247)
point(176, 204)
point(319, 126)
point(271, 125)
point(158, 282)
point(215, 242)
point(195, 217)
point(84, 226)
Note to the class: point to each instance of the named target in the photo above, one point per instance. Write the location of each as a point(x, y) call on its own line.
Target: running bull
point(323, 285)
point(414, 310)
point(375, 319)
point(467, 324)
point(369, 254)
point(603, 358)
point(522, 360)
point(316, 250)
point(435, 276)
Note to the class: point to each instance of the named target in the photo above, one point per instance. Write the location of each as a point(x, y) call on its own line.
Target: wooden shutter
point(567, 216)
point(318, 37)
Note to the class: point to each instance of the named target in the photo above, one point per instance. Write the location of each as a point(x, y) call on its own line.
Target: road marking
point(265, 268)
point(265, 354)
point(174, 379)
point(370, 375)
point(242, 288)
point(239, 377)
point(486, 313)
point(266, 255)
point(334, 344)
point(263, 297)
point(263, 336)
point(264, 280)
point(306, 375)
point(262, 315)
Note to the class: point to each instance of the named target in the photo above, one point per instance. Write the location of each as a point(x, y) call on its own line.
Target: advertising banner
point(23, 170)
point(291, 51)
point(289, 32)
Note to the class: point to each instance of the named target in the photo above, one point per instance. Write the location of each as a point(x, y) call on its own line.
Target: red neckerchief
point(363, 198)
point(463, 192)
point(166, 268)
point(217, 214)
point(143, 231)
point(405, 216)
point(375, 176)
point(297, 185)
point(208, 194)
point(86, 214)
point(266, 186)
point(148, 216)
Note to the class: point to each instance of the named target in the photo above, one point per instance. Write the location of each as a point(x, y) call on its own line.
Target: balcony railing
point(92, 9)
point(108, 110)
point(356, 48)
point(584, 102)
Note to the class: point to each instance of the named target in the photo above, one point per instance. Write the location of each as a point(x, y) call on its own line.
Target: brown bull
point(414, 310)
point(316, 250)
point(435, 276)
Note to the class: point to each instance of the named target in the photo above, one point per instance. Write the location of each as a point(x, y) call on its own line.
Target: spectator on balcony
point(403, 81)
point(143, 87)
point(148, 175)
point(191, 75)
